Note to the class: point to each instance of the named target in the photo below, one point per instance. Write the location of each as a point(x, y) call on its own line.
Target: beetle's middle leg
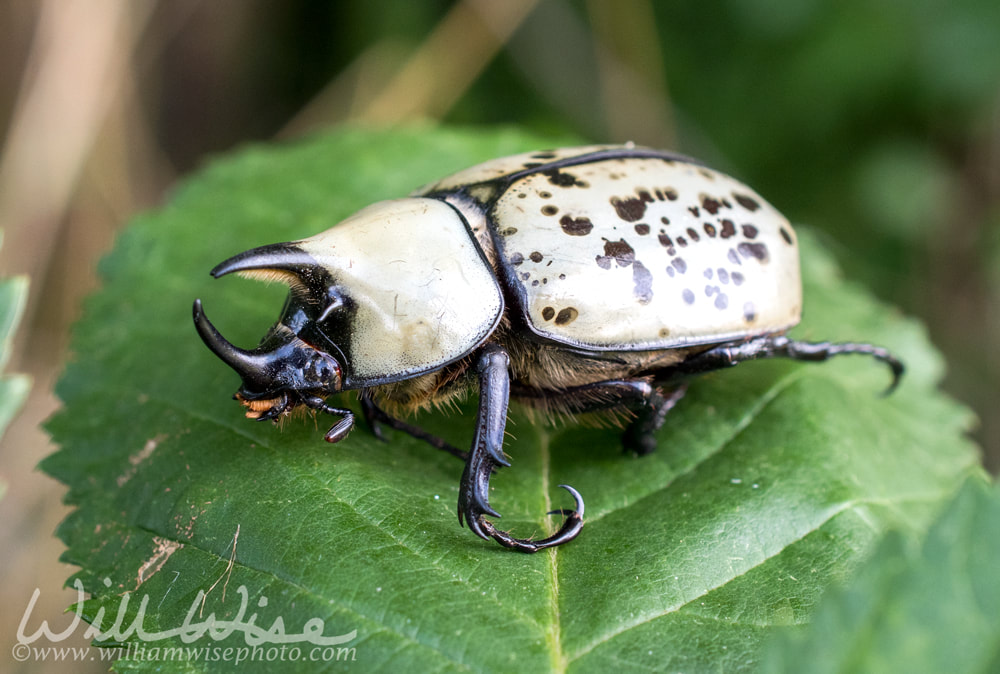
point(487, 453)
point(375, 416)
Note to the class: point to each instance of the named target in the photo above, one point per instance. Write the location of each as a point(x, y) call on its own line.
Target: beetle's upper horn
point(248, 365)
point(284, 258)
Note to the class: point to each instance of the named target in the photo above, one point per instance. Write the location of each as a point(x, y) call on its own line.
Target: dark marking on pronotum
point(516, 259)
point(535, 282)
point(549, 209)
point(535, 256)
point(728, 229)
point(749, 312)
point(508, 231)
point(749, 231)
point(694, 210)
point(746, 202)
point(688, 296)
point(786, 235)
point(548, 313)
point(576, 226)
point(525, 275)
point(642, 229)
point(567, 315)
point(757, 250)
point(670, 193)
point(544, 155)
point(631, 209)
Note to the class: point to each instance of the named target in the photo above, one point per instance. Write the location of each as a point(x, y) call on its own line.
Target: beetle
point(576, 280)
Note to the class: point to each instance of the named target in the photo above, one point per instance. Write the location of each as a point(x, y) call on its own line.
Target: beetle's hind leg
point(375, 416)
point(649, 403)
point(779, 346)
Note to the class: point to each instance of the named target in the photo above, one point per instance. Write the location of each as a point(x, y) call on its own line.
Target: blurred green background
point(876, 123)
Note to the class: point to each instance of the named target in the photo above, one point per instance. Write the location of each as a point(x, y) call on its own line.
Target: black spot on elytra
point(561, 179)
point(508, 231)
point(548, 313)
point(535, 282)
point(749, 231)
point(710, 229)
point(549, 209)
point(711, 205)
point(670, 193)
point(679, 264)
point(624, 255)
point(728, 229)
point(721, 301)
point(670, 272)
point(619, 251)
point(681, 241)
point(786, 235)
point(576, 226)
point(708, 274)
point(692, 234)
point(544, 195)
point(746, 202)
point(642, 229)
point(723, 275)
point(544, 155)
point(688, 296)
point(737, 278)
point(749, 312)
point(566, 316)
point(535, 256)
point(525, 275)
point(757, 250)
point(631, 209)
point(694, 210)
point(733, 257)
point(665, 220)
point(531, 164)
point(516, 259)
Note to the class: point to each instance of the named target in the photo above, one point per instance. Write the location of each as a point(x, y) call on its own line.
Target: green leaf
point(928, 608)
point(772, 480)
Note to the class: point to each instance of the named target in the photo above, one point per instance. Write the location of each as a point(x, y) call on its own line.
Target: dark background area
point(876, 123)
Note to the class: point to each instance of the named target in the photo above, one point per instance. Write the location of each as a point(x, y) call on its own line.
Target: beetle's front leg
point(340, 429)
point(487, 453)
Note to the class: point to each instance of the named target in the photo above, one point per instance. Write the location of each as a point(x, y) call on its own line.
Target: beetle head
point(294, 363)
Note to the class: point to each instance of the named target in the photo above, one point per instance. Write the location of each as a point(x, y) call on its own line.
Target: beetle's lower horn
point(248, 365)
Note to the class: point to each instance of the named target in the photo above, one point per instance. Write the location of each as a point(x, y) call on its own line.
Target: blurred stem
point(448, 62)
point(633, 85)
